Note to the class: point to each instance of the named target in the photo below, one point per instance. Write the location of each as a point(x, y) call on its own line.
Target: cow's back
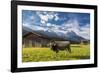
point(62, 43)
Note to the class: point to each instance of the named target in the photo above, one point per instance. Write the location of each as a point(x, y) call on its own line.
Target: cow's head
point(53, 44)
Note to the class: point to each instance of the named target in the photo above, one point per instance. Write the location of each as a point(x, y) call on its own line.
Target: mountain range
point(53, 33)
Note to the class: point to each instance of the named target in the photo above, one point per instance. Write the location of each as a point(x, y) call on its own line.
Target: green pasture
point(46, 54)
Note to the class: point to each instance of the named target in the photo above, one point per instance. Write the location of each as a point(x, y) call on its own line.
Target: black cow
point(61, 45)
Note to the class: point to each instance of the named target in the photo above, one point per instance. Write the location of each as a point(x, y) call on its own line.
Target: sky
point(60, 21)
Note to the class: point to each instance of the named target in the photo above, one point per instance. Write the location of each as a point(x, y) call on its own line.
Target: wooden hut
point(35, 40)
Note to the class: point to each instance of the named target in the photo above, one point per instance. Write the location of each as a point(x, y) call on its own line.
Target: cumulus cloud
point(85, 31)
point(35, 27)
point(56, 17)
point(73, 25)
point(43, 22)
point(32, 18)
point(49, 24)
point(46, 16)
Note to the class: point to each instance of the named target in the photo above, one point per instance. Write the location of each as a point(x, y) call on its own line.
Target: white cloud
point(46, 16)
point(73, 25)
point(56, 17)
point(85, 31)
point(26, 24)
point(32, 17)
point(49, 24)
point(43, 22)
point(35, 27)
point(50, 16)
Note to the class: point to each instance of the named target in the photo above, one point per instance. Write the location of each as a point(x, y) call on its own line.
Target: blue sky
point(78, 22)
point(83, 18)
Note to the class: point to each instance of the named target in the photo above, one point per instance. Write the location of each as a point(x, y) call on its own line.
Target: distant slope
point(53, 34)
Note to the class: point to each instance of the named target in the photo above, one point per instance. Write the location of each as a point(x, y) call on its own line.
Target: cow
point(61, 45)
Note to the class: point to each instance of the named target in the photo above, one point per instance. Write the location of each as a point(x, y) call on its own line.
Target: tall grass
point(46, 54)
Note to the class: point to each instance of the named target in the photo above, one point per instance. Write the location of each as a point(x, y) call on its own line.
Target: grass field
point(46, 54)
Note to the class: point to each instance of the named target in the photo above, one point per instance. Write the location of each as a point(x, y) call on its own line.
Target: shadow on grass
point(80, 57)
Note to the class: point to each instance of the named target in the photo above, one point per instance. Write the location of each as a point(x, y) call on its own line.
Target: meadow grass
point(46, 54)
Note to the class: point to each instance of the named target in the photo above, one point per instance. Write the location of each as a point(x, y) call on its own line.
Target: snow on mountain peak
point(70, 29)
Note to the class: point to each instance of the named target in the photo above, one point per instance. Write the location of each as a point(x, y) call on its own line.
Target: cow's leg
point(56, 55)
point(56, 48)
point(69, 49)
point(57, 51)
